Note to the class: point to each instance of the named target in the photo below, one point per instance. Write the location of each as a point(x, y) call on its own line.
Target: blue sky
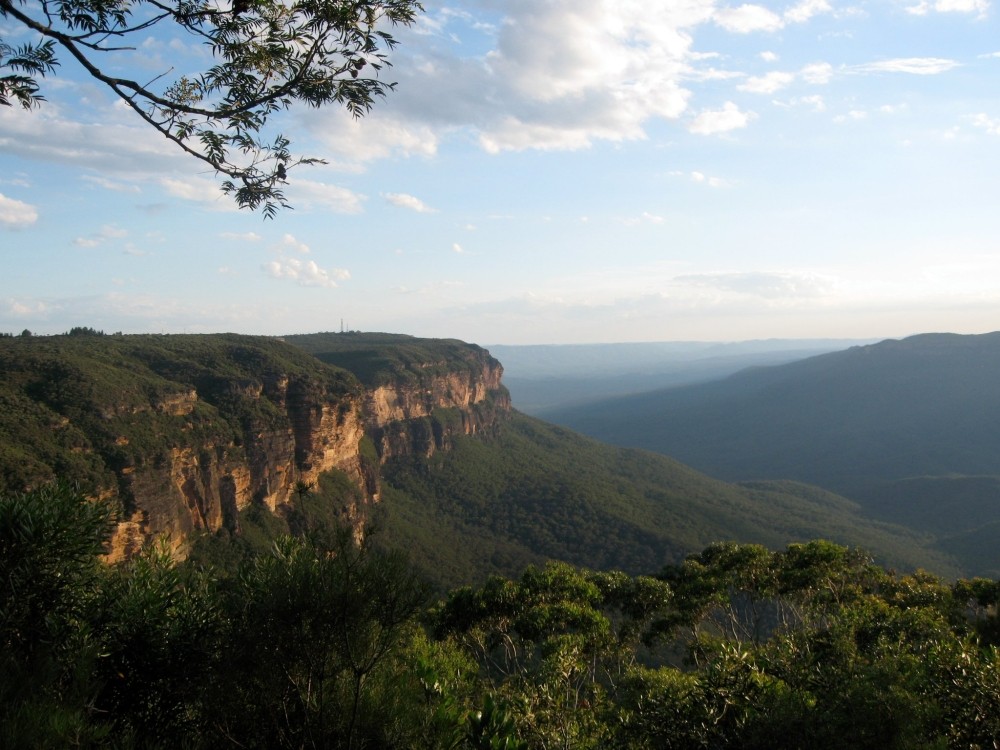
point(551, 171)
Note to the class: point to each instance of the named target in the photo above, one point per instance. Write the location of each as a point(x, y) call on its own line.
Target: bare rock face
point(407, 419)
point(292, 430)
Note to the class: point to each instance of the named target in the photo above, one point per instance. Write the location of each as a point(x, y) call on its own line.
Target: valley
point(907, 428)
point(354, 540)
point(188, 434)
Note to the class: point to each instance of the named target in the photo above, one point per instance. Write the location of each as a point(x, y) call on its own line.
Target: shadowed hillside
point(537, 491)
point(542, 378)
point(852, 421)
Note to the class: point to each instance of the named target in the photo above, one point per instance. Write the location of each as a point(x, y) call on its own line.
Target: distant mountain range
point(909, 428)
point(554, 376)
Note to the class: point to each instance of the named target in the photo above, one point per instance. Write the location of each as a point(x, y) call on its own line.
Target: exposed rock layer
point(187, 431)
point(205, 487)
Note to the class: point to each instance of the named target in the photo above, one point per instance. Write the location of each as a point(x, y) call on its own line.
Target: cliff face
point(187, 441)
point(205, 487)
point(421, 419)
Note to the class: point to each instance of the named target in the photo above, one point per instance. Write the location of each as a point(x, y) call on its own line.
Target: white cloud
point(105, 233)
point(979, 7)
point(768, 83)
point(513, 134)
point(15, 214)
point(456, 248)
point(854, 114)
point(713, 74)
point(199, 189)
point(290, 243)
point(644, 218)
point(748, 18)
point(768, 56)
point(308, 194)
point(115, 147)
point(408, 201)
point(714, 182)
point(817, 73)
point(806, 9)
point(590, 47)
point(349, 142)
point(924, 66)
point(814, 102)
point(25, 308)
point(728, 118)
point(305, 273)
point(241, 237)
point(990, 124)
point(557, 75)
point(302, 272)
point(767, 285)
point(113, 185)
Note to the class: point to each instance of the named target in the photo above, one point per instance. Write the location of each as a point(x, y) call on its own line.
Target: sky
point(549, 171)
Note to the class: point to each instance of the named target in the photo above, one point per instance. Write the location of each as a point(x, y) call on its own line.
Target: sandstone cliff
point(187, 431)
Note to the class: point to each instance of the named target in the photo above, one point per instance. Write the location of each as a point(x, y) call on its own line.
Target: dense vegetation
point(536, 492)
point(381, 358)
point(67, 402)
point(906, 428)
point(317, 642)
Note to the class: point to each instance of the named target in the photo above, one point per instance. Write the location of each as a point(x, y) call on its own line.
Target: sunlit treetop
point(266, 55)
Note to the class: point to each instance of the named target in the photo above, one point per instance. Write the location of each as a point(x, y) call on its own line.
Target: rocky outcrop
point(289, 430)
point(422, 418)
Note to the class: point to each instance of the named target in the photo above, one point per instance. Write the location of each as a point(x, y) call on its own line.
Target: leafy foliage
point(266, 57)
point(323, 643)
point(50, 540)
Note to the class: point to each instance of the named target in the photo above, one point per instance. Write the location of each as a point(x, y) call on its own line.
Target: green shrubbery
point(320, 642)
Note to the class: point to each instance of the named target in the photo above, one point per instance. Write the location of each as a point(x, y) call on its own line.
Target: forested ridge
point(319, 642)
point(906, 428)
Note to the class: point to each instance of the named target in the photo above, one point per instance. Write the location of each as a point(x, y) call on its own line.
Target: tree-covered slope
point(81, 407)
point(908, 428)
point(323, 642)
point(378, 358)
point(541, 492)
point(546, 377)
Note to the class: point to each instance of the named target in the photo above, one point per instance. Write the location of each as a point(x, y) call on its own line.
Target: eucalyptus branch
point(270, 54)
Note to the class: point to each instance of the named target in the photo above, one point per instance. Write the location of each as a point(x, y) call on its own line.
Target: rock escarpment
point(187, 431)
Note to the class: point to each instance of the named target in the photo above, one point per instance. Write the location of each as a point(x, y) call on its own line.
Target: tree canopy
point(265, 56)
point(319, 641)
